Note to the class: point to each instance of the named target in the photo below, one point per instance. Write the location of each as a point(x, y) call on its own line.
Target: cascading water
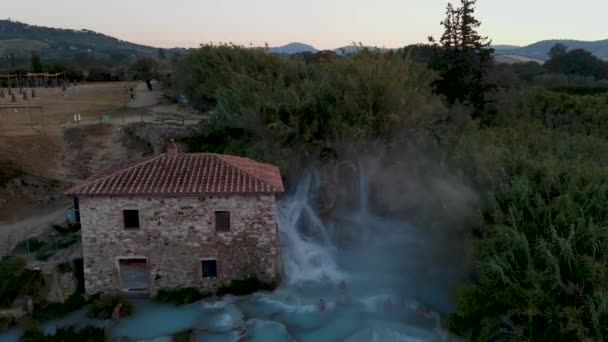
point(306, 257)
point(378, 265)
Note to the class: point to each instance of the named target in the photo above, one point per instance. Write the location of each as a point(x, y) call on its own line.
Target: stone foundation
point(175, 234)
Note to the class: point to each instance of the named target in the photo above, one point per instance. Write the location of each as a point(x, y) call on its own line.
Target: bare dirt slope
point(35, 169)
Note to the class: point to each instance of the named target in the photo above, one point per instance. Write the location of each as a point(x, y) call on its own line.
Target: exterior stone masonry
point(176, 233)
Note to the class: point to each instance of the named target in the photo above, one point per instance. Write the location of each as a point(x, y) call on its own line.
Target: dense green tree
point(557, 50)
point(146, 69)
point(577, 62)
point(274, 108)
point(161, 54)
point(36, 64)
point(462, 58)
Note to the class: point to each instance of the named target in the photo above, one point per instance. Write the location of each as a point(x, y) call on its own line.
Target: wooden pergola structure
point(20, 78)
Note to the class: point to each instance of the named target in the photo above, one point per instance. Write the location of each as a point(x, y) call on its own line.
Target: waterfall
point(307, 257)
point(362, 192)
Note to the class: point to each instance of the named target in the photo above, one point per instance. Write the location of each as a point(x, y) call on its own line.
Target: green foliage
point(180, 296)
point(104, 306)
point(18, 281)
point(145, 68)
point(65, 267)
point(8, 173)
point(277, 109)
point(33, 333)
point(184, 336)
point(541, 263)
point(85, 334)
point(36, 64)
point(243, 287)
point(574, 114)
point(462, 59)
point(63, 230)
point(577, 62)
point(44, 311)
point(32, 283)
point(47, 250)
point(29, 245)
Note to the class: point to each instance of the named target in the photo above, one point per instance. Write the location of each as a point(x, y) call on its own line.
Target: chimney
point(172, 147)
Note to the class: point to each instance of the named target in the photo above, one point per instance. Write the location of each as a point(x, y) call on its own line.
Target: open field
point(7, 45)
point(53, 109)
point(513, 59)
point(58, 106)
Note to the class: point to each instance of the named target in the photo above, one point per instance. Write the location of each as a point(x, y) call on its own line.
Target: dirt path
point(145, 97)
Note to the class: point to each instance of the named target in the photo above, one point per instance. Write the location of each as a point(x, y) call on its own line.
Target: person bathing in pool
point(321, 305)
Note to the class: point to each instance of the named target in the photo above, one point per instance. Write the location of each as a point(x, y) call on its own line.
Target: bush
point(8, 173)
point(29, 246)
point(7, 323)
point(15, 281)
point(67, 241)
point(184, 336)
point(88, 333)
point(283, 110)
point(180, 296)
point(540, 257)
point(245, 287)
point(65, 267)
point(10, 270)
point(104, 306)
point(32, 283)
point(47, 310)
point(65, 230)
point(60, 243)
point(44, 255)
point(33, 333)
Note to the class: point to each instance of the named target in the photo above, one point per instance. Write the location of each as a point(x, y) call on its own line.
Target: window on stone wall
point(209, 268)
point(222, 221)
point(131, 219)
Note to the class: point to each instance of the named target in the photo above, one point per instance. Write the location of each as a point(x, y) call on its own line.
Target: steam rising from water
point(380, 259)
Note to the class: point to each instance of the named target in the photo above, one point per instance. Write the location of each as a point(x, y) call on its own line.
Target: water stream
point(368, 272)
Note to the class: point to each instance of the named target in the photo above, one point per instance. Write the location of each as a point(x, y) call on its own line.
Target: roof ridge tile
point(185, 173)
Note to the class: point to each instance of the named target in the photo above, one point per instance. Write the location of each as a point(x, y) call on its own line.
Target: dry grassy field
point(58, 107)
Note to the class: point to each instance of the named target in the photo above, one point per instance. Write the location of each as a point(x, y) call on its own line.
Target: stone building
point(178, 220)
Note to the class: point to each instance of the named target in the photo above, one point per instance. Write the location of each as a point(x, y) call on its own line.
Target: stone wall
point(175, 234)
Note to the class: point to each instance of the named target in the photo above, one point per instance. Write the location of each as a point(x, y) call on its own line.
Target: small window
point(209, 268)
point(131, 218)
point(222, 221)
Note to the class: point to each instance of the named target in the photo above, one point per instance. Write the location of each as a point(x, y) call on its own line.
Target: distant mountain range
point(539, 50)
point(20, 39)
point(533, 52)
point(295, 47)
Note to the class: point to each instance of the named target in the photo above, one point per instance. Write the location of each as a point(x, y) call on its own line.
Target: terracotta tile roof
point(182, 174)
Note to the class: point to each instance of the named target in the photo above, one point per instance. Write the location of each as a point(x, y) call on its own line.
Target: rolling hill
point(21, 39)
point(514, 59)
point(539, 50)
point(292, 48)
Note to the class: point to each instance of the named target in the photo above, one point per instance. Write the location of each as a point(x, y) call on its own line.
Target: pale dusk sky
point(324, 24)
